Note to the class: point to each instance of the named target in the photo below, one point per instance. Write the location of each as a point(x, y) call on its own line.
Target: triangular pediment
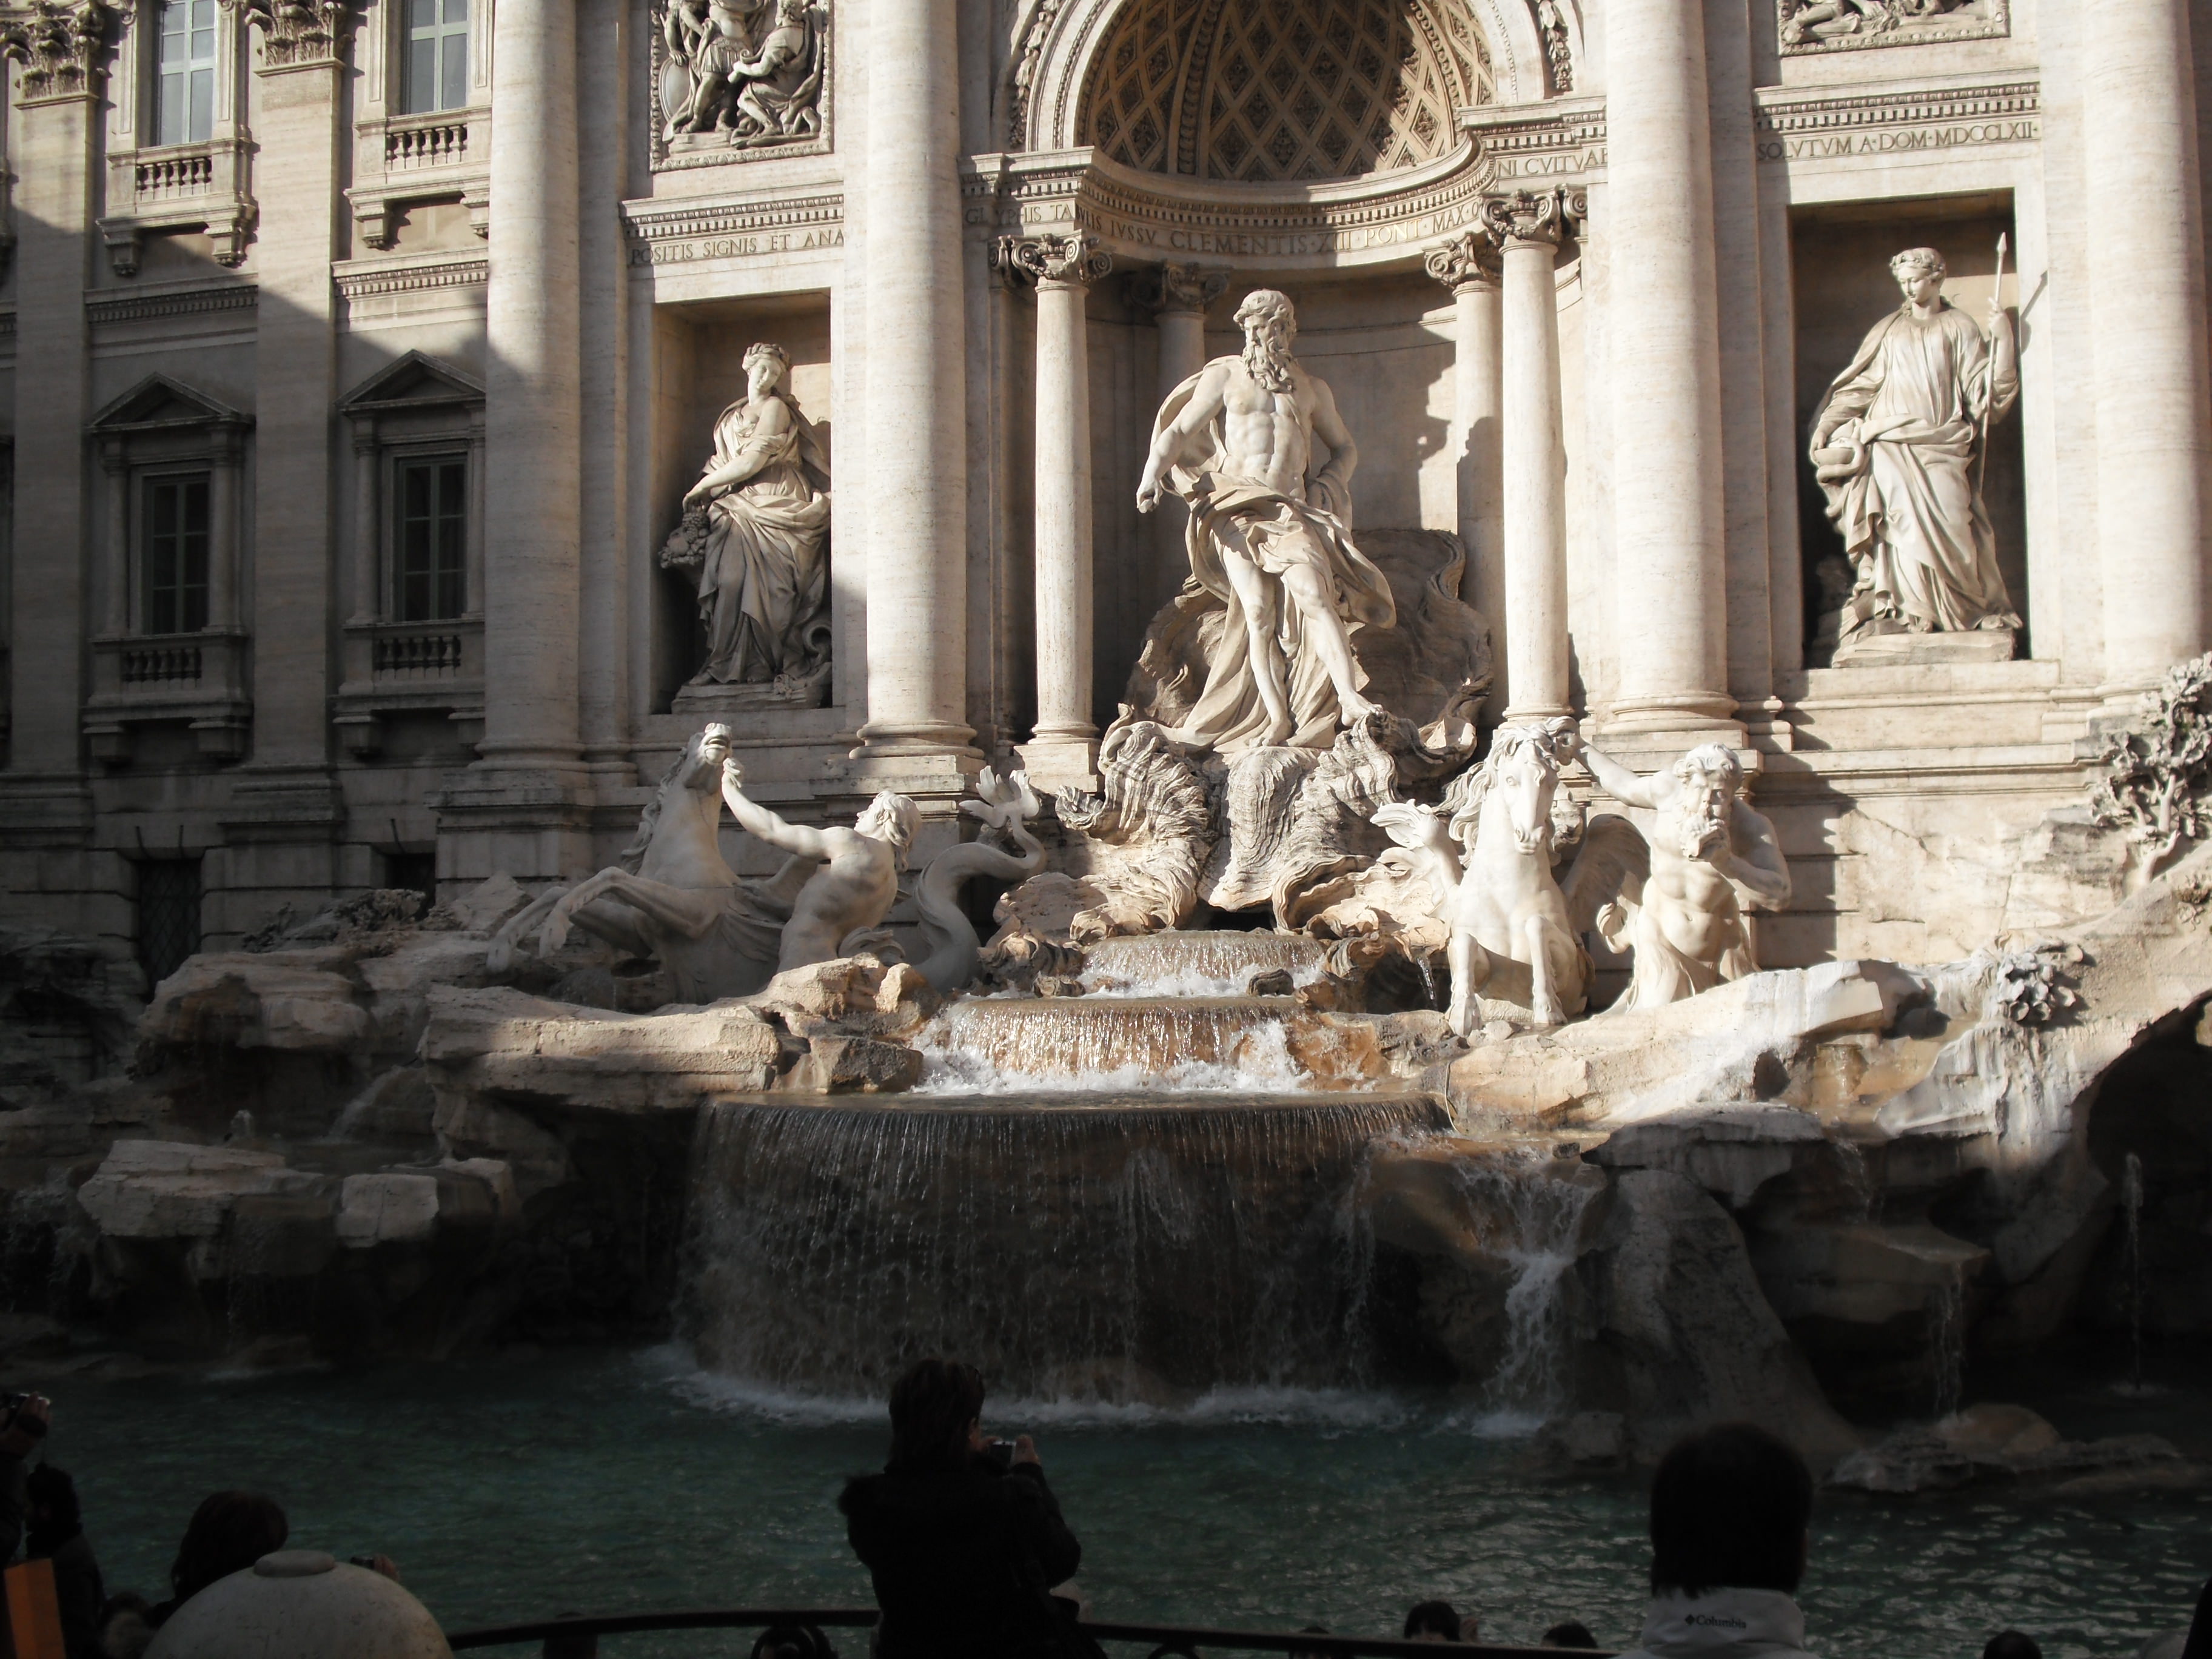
point(414, 381)
point(159, 401)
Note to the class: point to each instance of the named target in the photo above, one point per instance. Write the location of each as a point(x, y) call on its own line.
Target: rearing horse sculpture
point(1508, 914)
point(673, 894)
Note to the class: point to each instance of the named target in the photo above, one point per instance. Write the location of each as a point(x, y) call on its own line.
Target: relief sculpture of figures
point(748, 70)
point(1681, 906)
point(1270, 539)
point(756, 528)
point(1899, 441)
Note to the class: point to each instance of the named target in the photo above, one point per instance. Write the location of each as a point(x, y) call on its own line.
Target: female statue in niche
point(1898, 442)
point(757, 526)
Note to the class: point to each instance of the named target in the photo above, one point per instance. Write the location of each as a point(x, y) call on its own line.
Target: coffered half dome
point(1259, 91)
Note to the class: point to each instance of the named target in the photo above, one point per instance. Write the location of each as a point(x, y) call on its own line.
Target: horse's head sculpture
point(1521, 774)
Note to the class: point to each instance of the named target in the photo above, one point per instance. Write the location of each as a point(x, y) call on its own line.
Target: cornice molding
point(723, 228)
point(422, 273)
point(104, 307)
point(1800, 122)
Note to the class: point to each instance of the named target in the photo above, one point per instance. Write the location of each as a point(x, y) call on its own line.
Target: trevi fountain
point(1390, 744)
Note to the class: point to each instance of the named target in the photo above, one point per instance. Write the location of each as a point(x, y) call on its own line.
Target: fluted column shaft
point(1669, 576)
point(915, 481)
point(1532, 463)
point(2147, 327)
point(533, 414)
point(1468, 265)
point(1064, 745)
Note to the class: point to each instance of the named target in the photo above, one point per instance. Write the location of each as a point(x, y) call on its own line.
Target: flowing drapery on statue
point(1272, 543)
point(1897, 443)
point(758, 522)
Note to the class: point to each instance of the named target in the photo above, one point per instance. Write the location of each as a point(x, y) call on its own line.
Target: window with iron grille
point(173, 554)
point(437, 73)
point(168, 914)
point(432, 530)
point(184, 83)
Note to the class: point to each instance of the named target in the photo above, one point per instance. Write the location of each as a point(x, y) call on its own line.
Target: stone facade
point(356, 361)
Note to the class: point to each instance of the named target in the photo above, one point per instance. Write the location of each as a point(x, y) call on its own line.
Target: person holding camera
point(961, 1536)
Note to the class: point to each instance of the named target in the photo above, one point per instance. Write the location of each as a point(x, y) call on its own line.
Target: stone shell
point(301, 1604)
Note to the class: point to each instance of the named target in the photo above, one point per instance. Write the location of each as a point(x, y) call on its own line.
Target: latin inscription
point(1836, 146)
point(736, 247)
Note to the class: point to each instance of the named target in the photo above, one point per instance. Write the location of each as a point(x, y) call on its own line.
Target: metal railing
point(798, 1633)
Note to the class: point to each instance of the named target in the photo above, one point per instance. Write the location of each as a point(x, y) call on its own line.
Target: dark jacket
point(77, 1589)
point(960, 1559)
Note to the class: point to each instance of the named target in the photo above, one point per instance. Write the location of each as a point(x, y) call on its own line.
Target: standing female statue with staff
point(1896, 442)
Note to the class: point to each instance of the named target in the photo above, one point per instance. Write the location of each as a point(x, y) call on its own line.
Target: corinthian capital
point(296, 32)
point(61, 44)
point(1468, 260)
point(1063, 259)
point(1178, 287)
point(1532, 218)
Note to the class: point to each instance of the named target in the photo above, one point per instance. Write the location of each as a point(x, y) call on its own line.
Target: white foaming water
point(1184, 981)
point(1262, 1064)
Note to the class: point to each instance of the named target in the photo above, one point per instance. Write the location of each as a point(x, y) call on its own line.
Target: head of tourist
point(937, 1408)
point(2012, 1644)
point(1310, 1653)
point(1731, 1507)
point(1432, 1621)
point(229, 1532)
point(1570, 1633)
point(54, 1517)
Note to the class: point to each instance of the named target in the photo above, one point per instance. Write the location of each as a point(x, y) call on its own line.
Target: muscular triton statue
point(857, 881)
point(1684, 918)
point(1269, 539)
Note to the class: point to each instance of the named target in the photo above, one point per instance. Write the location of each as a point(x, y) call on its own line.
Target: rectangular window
point(174, 558)
point(168, 914)
point(184, 86)
point(433, 528)
point(437, 72)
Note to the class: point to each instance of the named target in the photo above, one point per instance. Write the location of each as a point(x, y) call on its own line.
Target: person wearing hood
point(1731, 1518)
point(963, 1540)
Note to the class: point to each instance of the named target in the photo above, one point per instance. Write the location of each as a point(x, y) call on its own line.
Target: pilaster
point(1468, 265)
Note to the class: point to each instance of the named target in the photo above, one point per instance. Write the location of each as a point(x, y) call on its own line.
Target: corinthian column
point(2147, 328)
point(1064, 748)
point(1527, 229)
point(1669, 573)
point(1468, 265)
point(915, 531)
point(533, 412)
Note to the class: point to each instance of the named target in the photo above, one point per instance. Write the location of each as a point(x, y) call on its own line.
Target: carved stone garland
point(296, 32)
point(59, 45)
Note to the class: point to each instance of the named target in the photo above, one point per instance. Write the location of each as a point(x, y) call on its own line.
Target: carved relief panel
point(736, 80)
point(1843, 25)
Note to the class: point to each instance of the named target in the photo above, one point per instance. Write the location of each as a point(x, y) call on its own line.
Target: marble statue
point(1680, 906)
point(1003, 807)
point(1270, 538)
point(1899, 441)
point(757, 528)
point(672, 897)
point(751, 70)
point(856, 881)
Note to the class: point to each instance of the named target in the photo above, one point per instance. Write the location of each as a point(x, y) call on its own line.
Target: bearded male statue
point(1271, 539)
point(1709, 851)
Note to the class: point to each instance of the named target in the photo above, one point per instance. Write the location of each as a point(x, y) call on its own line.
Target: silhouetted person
point(22, 1430)
point(1432, 1621)
point(2011, 1644)
point(1731, 1518)
point(1311, 1653)
point(229, 1532)
point(963, 1547)
point(56, 1533)
point(1570, 1633)
point(2199, 1643)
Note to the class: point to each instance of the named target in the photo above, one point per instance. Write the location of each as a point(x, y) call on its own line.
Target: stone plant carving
point(1679, 899)
point(672, 895)
point(296, 30)
point(1003, 805)
point(756, 528)
point(1897, 443)
point(748, 73)
point(1270, 540)
point(59, 43)
point(2156, 773)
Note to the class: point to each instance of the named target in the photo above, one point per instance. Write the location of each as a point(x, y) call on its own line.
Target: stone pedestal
point(1905, 649)
point(2147, 328)
point(1064, 746)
